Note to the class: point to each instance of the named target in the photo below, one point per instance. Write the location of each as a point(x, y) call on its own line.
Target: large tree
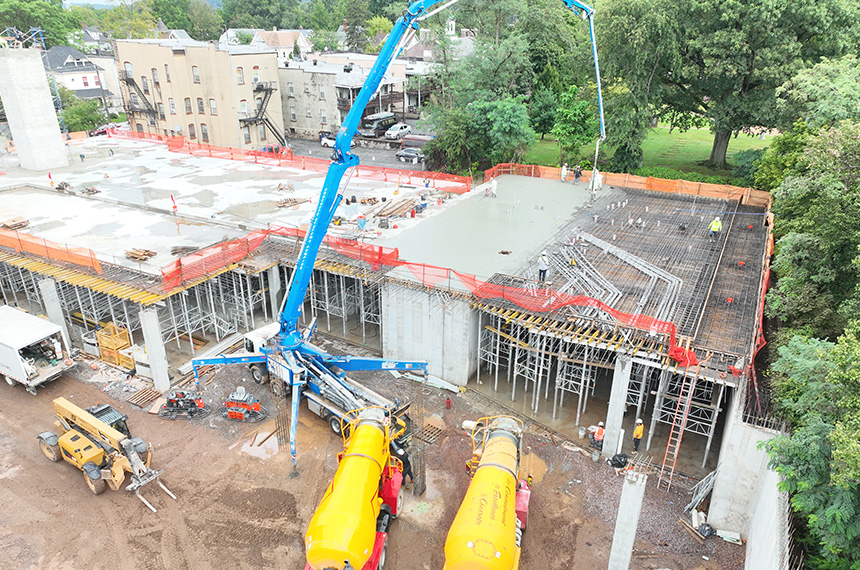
point(724, 60)
point(174, 13)
point(206, 22)
point(824, 94)
point(816, 386)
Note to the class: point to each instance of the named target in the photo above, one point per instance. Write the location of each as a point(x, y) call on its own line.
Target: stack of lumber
point(140, 254)
point(398, 208)
point(292, 202)
point(15, 223)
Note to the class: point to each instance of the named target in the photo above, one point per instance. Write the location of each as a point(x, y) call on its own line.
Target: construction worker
point(714, 229)
point(407, 465)
point(638, 432)
point(543, 265)
point(597, 434)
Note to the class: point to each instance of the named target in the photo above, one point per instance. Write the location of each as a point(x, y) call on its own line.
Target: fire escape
point(138, 103)
point(267, 88)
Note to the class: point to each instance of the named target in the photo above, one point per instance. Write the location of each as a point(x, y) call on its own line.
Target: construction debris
point(292, 202)
point(140, 254)
point(398, 208)
point(183, 249)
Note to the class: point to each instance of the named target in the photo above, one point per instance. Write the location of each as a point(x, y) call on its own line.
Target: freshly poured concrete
point(527, 214)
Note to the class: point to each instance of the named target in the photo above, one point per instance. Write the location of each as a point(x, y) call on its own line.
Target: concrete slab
point(526, 216)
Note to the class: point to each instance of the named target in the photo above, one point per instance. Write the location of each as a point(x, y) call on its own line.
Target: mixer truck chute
point(487, 532)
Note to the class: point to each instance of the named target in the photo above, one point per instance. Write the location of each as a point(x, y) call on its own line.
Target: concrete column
point(154, 344)
point(274, 275)
point(627, 520)
point(30, 110)
point(51, 300)
point(617, 404)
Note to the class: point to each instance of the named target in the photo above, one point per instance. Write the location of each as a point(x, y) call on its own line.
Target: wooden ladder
point(676, 434)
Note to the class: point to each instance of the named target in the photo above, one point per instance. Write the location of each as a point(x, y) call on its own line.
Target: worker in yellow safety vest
point(714, 229)
point(638, 432)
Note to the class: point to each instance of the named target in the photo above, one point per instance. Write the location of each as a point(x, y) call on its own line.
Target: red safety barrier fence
point(25, 243)
point(285, 158)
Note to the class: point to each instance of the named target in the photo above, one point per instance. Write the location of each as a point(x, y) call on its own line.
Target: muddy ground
point(238, 507)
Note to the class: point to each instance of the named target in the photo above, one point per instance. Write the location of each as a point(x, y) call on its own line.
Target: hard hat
point(638, 420)
point(400, 452)
point(544, 252)
point(717, 218)
point(599, 424)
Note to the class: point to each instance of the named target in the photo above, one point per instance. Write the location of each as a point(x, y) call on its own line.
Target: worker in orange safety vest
point(597, 435)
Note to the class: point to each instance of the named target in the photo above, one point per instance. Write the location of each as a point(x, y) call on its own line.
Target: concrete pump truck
point(368, 469)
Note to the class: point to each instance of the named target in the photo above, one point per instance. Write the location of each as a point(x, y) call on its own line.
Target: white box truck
point(32, 349)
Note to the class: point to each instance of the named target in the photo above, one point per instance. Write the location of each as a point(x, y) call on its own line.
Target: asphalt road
point(368, 156)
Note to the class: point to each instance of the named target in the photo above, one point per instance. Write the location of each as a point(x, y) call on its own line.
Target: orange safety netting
point(26, 243)
point(723, 191)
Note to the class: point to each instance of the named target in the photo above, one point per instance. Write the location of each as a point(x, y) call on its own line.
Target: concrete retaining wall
point(416, 325)
point(767, 543)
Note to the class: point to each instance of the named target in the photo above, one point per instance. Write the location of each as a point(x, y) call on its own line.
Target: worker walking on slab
point(714, 229)
point(543, 265)
point(638, 432)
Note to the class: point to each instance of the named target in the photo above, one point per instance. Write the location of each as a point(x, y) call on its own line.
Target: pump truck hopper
point(97, 441)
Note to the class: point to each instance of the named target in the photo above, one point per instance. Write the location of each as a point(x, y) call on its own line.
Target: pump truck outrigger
point(98, 442)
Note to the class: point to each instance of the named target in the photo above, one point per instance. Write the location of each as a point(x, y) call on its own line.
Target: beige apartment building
point(219, 96)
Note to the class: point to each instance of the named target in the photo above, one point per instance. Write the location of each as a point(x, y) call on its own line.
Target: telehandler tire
point(52, 452)
point(259, 374)
point(97, 486)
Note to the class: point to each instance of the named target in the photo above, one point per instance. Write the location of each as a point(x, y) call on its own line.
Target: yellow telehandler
point(97, 441)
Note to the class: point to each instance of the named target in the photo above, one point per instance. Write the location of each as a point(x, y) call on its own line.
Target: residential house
point(289, 44)
point(202, 92)
point(317, 95)
point(89, 77)
point(92, 40)
point(162, 32)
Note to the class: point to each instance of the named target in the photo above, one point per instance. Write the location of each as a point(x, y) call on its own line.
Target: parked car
point(328, 141)
point(102, 130)
point(410, 155)
point(397, 131)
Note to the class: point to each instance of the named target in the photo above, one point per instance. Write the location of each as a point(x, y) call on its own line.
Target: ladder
point(676, 434)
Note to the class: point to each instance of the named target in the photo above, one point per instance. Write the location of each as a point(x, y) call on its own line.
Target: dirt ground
point(238, 507)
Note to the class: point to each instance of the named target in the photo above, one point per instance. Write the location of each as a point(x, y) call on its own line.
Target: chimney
point(344, 24)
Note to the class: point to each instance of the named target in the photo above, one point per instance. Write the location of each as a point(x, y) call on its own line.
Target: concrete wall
point(741, 475)
point(767, 543)
point(30, 110)
point(417, 326)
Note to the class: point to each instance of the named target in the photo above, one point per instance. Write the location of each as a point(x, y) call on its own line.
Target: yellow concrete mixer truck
point(487, 531)
point(349, 529)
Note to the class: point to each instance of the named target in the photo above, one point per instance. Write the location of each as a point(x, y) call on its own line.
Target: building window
point(322, 116)
point(240, 76)
point(128, 73)
point(213, 107)
point(307, 88)
point(204, 132)
point(152, 121)
point(292, 113)
point(139, 127)
point(161, 111)
point(192, 133)
point(195, 73)
point(201, 108)
point(166, 73)
point(262, 131)
point(143, 82)
point(187, 105)
point(246, 134)
point(290, 88)
point(154, 76)
point(322, 92)
point(87, 83)
point(98, 81)
point(259, 103)
point(172, 106)
point(243, 106)
point(256, 72)
point(308, 112)
point(134, 100)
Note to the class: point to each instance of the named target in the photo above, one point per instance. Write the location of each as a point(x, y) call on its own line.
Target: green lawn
point(681, 151)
